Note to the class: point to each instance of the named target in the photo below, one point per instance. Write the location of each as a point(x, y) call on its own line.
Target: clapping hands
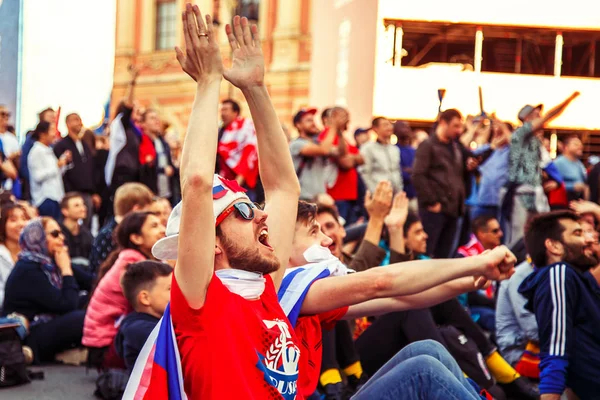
point(202, 59)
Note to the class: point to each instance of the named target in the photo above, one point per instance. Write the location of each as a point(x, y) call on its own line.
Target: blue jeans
point(349, 210)
point(479, 211)
point(421, 371)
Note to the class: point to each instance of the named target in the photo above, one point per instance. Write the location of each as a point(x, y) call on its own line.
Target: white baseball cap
point(225, 192)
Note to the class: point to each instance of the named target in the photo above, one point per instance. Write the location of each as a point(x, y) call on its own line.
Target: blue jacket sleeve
point(554, 304)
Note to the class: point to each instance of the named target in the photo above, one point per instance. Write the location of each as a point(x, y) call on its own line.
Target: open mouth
point(263, 238)
point(332, 248)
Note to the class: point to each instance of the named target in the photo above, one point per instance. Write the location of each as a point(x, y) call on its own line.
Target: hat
point(224, 193)
point(302, 113)
point(528, 109)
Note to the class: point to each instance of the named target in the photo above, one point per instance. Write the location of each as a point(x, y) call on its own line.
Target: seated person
point(78, 237)
point(43, 287)
point(147, 287)
point(129, 197)
point(136, 235)
point(390, 333)
point(516, 328)
point(562, 292)
point(487, 234)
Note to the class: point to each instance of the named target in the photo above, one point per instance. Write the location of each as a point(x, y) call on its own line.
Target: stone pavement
point(62, 382)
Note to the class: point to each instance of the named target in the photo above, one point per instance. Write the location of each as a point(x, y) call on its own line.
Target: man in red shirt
point(345, 189)
point(234, 340)
point(311, 303)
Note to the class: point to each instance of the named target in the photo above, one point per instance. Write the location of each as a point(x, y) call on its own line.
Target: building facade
point(148, 30)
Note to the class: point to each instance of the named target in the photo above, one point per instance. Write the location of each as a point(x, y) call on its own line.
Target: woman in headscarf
point(42, 287)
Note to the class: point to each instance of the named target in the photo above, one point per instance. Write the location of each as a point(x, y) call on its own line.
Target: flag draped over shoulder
point(157, 372)
point(237, 148)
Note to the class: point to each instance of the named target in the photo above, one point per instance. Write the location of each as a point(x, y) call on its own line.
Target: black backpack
point(467, 355)
point(111, 384)
point(13, 370)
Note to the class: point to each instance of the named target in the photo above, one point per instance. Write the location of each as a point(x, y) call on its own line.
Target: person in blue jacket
point(565, 297)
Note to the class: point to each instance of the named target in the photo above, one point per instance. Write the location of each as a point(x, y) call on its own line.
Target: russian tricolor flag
point(157, 372)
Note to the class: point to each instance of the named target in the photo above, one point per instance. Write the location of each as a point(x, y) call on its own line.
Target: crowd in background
point(81, 212)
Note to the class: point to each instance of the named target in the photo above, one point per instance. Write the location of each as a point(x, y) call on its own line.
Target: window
point(166, 24)
point(248, 9)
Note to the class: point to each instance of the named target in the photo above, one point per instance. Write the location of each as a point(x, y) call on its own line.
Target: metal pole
point(558, 54)
point(478, 49)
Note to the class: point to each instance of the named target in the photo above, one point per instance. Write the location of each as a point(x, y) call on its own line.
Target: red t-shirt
point(233, 348)
point(308, 331)
point(346, 185)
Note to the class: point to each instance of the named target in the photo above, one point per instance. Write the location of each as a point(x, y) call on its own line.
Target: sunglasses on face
point(244, 209)
point(55, 233)
point(4, 114)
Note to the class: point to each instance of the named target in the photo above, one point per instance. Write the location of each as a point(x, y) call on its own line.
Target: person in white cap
point(233, 338)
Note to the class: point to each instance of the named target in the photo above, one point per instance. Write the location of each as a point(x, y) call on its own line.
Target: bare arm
point(403, 279)
point(395, 222)
point(424, 299)
point(324, 148)
point(282, 189)
point(129, 94)
point(202, 61)
point(553, 113)
point(377, 206)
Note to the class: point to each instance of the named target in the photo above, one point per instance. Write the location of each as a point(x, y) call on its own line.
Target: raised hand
point(397, 216)
point(202, 58)
point(378, 205)
point(248, 64)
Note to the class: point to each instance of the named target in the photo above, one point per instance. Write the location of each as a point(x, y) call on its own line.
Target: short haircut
point(411, 219)
point(326, 113)
point(307, 212)
point(541, 227)
point(235, 106)
point(480, 223)
point(448, 115)
point(142, 276)
point(146, 112)
point(71, 115)
point(130, 195)
point(42, 127)
point(377, 121)
point(325, 209)
point(64, 203)
point(43, 113)
point(569, 139)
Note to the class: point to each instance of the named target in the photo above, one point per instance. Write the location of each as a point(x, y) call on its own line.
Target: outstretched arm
point(282, 189)
point(202, 61)
point(403, 279)
point(553, 113)
point(428, 298)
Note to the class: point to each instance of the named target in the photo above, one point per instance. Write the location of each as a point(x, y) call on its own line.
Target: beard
point(577, 257)
point(248, 259)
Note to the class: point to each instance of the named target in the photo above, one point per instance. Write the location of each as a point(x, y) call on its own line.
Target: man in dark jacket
point(441, 167)
point(80, 175)
point(565, 297)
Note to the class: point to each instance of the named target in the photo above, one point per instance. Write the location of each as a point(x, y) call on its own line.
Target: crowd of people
point(247, 264)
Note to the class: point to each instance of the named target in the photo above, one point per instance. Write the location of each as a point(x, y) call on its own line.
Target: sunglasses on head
point(55, 233)
point(244, 209)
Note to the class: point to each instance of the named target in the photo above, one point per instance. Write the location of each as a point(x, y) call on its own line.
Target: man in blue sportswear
point(565, 297)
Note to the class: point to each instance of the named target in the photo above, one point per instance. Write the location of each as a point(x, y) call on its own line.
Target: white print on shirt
point(280, 364)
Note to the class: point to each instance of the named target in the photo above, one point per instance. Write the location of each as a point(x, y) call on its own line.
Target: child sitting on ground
point(147, 286)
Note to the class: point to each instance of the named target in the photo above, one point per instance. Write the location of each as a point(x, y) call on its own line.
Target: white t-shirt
point(9, 143)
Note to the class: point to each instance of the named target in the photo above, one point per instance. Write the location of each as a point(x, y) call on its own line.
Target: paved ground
point(62, 382)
